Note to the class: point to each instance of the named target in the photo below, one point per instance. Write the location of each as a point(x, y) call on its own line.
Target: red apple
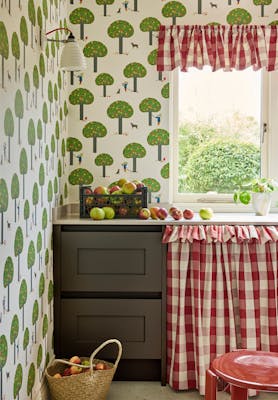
point(177, 214)
point(123, 211)
point(75, 370)
point(100, 366)
point(75, 360)
point(88, 191)
point(171, 210)
point(162, 213)
point(101, 190)
point(144, 213)
point(139, 184)
point(67, 372)
point(154, 211)
point(114, 189)
point(188, 214)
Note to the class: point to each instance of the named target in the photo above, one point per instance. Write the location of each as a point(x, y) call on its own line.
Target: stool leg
point(211, 382)
point(238, 393)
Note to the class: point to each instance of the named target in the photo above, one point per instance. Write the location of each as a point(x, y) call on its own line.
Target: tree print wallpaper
point(33, 98)
point(59, 129)
point(122, 120)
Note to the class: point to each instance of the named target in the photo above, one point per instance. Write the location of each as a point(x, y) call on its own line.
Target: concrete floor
point(154, 391)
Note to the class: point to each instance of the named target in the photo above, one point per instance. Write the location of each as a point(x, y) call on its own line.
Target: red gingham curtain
point(222, 294)
point(219, 46)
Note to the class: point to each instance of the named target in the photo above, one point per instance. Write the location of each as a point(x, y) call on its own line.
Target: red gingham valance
point(219, 46)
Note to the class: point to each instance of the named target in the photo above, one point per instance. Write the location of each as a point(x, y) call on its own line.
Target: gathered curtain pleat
point(224, 47)
point(222, 294)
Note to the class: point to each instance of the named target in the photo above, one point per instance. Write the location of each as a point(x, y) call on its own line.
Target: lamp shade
point(72, 58)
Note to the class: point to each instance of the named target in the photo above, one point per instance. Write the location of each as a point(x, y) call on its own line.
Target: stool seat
point(243, 370)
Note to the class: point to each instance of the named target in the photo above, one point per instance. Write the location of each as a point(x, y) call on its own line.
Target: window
point(223, 128)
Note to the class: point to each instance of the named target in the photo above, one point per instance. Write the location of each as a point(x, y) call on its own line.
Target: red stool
point(243, 370)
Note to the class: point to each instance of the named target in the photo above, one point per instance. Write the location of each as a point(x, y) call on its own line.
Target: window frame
point(269, 142)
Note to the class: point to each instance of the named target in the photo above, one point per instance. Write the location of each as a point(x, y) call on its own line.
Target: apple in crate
point(97, 213)
point(101, 190)
point(144, 213)
point(114, 189)
point(123, 211)
point(88, 191)
point(177, 214)
point(129, 188)
point(188, 214)
point(122, 181)
point(162, 213)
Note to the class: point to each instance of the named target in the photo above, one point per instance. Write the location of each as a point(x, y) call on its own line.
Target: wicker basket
point(90, 385)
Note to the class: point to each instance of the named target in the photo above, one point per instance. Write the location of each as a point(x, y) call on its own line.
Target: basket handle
point(105, 344)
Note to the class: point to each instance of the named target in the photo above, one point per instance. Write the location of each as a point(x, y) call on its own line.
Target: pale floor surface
point(154, 391)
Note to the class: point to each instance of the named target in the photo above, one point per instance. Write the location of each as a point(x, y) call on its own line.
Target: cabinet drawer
point(85, 323)
point(111, 261)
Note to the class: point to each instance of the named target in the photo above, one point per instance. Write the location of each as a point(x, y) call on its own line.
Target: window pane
point(219, 129)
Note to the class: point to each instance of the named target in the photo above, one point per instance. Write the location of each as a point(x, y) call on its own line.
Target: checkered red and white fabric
point(222, 294)
point(219, 46)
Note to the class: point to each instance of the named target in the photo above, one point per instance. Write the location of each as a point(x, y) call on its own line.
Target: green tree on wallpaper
point(46, 261)
point(73, 144)
point(81, 97)
point(239, 16)
point(15, 52)
point(27, 88)
point(49, 197)
point(173, 9)
point(159, 138)
point(4, 202)
point(104, 3)
point(104, 80)
point(52, 148)
point(35, 200)
point(165, 91)
point(39, 358)
point(18, 247)
point(63, 152)
point(80, 176)
point(152, 58)
point(153, 187)
point(59, 169)
point(24, 37)
point(44, 330)
point(150, 25)
point(81, 16)
point(9, 129)
point(41, 290)
point(120, 29)
point(39, 135)
point(47, 54)
point(55, 189)
point(150, 105)
point(120, 109)
point(32, 17)
point(134, 151)
point(55, 94)
point(17, 381)
point(26, 339)
point(61, 116)
point(26, 214)
point(23, 167)
point(45, 12)
point(44, 225)
point(15, 193)
point(31, 380)
point(14, 333)
point(22, 298)
point(65, 191)
point(19, 110)
point(36, 83)
point(53, 53)
point(39, 247)
point(42, 71)
point(262, 3)
point(31, 138)
point(135, 71)
point(31, 261)
point(164, 172)
point(41, 181)
point(57, 136)
point(59, 83)
point(4, 49)
point(95, 50)
point(46, 157)
point(3, 360)
point(8, 277)
point(50, 295)
point(94, 130)
point(103, 160)
point(50, 97)
point(40, 23)
point(35, 317)
point(45, 118)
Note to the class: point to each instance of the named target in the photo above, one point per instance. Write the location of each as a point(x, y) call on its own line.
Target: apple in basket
point(75, 360)
point(57, 375)
point(75, 370)
point(66, 372)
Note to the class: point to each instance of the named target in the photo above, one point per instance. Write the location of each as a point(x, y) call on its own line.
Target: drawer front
point(111, 261)
point(86, 323)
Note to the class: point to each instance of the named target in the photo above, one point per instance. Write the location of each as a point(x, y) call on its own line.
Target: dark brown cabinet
point(110, 283)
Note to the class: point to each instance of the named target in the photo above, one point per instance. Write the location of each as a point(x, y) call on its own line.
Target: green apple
point(97, 213)
point(129, 188)
point(109, 212)
point(206, 213)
